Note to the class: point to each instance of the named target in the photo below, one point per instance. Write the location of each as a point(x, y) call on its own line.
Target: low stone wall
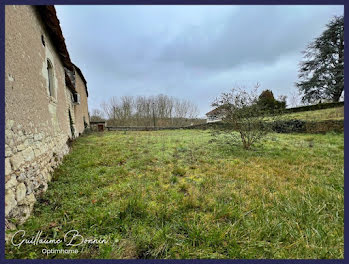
point(29, 160)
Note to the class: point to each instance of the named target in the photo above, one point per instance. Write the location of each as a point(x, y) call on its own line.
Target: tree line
point(160, 111)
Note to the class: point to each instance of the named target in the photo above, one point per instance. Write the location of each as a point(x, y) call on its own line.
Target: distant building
point(98, 125)
point(45, 104)
point(215, 115)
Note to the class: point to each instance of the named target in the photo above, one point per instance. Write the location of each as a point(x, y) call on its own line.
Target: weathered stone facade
point(37, 105)
point(81, 112)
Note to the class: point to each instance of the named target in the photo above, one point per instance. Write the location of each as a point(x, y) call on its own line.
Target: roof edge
point(51, 22)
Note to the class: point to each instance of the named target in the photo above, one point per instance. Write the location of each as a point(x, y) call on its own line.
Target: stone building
point(45, 104)
point(98, 125)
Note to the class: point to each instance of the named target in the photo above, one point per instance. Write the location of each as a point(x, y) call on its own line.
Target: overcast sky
point(190, 52)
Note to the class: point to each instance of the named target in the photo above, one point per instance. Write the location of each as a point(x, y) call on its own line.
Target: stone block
point(22, 177)
point(38, 152)
point(12, 182)
point(20, 192)
point(38, 137)
point(21, 147)
point(8, 167)
point(27, 142)
point(28, 200)
point(10, 142)
point(28, 154)
point(7, 178)
point(30, 187)
point(8, 135)
point(17, 160)
point(8, 154)
point(8, 151)
point(9, 124)
point(10, 201)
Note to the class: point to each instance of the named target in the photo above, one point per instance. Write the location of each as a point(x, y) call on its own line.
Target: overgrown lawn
point(177, 194)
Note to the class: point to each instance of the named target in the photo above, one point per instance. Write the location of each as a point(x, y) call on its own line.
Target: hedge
point(281, 126)
point(313, 107)
point(324, 126)
point(287, 126)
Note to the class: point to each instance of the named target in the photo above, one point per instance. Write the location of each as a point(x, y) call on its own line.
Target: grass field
point(173, 194)
point(318, 115)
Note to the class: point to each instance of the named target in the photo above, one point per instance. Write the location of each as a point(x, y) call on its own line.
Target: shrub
point(300, 126)
point(288, 126)
point(244, 113)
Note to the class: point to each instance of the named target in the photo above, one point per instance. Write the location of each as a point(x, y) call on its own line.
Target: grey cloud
point(192, 52)
point(258, 34)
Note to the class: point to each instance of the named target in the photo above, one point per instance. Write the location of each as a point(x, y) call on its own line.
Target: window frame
point(50, 74)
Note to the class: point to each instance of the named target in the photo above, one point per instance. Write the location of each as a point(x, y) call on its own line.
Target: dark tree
point(267, 98)
point(267, 102)
point(321, 72)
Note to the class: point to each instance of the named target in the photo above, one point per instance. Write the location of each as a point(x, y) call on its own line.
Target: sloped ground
point(172, 194)
point(336, 113)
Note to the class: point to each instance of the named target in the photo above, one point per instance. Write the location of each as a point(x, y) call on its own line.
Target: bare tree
point(193, 111)
point(294, 99)
point(243, 114)
point(160, 110)
point(106, 109)
point(126, 108)
point(181, 108)
point(96, 115)
point(112, 110)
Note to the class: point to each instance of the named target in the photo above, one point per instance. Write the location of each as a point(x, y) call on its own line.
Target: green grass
point(318, 115)
point(172, 194)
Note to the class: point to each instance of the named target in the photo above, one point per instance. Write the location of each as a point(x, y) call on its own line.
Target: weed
point(179, 171)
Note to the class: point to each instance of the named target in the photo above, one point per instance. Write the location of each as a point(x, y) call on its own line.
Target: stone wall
point(37, 124)
point(29, 160)
point(81, 110)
